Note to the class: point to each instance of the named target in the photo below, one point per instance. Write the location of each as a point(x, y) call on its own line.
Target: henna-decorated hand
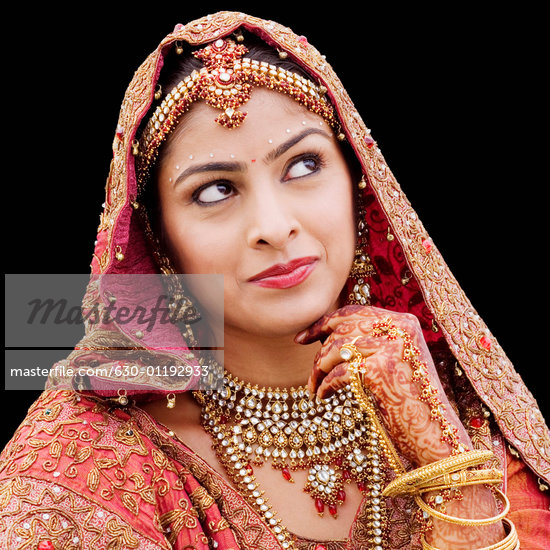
point(415, 425)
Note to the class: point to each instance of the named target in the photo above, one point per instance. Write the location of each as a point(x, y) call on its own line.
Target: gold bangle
point(408, 483)
point(510, 542)
point(467, 522)
point(491, 476)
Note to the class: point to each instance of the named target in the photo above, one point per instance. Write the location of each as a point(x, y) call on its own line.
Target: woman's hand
point(388, 375)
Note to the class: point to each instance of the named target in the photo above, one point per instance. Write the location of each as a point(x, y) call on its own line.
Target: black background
point(453, 95)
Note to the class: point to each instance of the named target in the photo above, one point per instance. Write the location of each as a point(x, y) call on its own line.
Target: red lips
point(285, 275)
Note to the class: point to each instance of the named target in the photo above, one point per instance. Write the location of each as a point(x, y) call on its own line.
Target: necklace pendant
point(325, 485)
point(332, 441)
point(287, 475)
point(320, 506)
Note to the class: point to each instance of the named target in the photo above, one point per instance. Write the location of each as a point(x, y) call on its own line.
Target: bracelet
point(461, 479)
point(511, 542)
point(467, 522)
point(420, 374)
point(408, 483)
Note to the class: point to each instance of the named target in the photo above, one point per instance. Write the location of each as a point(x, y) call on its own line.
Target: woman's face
point(268, 204)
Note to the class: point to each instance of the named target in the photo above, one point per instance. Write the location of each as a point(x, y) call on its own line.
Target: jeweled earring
point(171, 400)
point(362, 267)
point(182, 310)
point(180, 306)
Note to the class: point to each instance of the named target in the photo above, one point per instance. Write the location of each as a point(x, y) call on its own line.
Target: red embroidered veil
point(82, 472)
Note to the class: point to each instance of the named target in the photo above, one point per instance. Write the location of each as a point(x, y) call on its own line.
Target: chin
point(285, 319)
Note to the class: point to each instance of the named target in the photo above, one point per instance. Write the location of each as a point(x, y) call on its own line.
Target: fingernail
point(300, 336)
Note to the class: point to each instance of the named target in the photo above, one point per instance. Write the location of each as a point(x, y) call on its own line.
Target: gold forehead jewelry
point(225, 83)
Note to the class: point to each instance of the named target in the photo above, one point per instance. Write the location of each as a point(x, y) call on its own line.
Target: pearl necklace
point(333, 439)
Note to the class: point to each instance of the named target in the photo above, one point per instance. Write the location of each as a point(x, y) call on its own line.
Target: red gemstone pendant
point(287, 475)
point(320, 505)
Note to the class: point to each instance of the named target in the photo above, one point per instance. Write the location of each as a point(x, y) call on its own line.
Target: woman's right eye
point(213, 192)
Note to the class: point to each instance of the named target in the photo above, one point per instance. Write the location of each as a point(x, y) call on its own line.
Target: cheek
point(338, 221)
point(198, 252)
point(197, 247)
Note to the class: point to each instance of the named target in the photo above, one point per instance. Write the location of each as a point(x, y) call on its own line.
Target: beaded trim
point(225, 83)
point(429, 394)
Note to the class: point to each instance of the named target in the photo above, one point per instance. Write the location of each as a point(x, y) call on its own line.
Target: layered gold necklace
point(333, 439)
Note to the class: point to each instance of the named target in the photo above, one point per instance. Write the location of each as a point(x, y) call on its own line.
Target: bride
point(361, 401)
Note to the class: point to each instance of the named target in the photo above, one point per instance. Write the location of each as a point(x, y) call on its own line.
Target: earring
point(181, 308)
point(362, 267)
point(171, 398)
point(182, 311)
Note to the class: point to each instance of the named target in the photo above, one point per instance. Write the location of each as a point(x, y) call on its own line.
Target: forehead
point(270, 115)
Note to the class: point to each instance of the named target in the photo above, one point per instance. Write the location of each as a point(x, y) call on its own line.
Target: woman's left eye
point(302, 167)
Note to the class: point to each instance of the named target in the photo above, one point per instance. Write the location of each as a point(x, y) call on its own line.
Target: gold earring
point(171, 398)
point(122, 397)
point(182, 310)
point(362, 267)
point(181, 307)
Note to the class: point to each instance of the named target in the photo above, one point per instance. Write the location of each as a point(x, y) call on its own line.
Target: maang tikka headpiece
point(225, 83)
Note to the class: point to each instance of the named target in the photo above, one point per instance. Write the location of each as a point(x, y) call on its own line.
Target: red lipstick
point(285, 275)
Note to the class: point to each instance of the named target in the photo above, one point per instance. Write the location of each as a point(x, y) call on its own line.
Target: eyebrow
point(284, 147)
point(241, 166)
point(211, 167)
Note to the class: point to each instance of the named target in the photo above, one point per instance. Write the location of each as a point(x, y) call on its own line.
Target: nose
point(271, 219)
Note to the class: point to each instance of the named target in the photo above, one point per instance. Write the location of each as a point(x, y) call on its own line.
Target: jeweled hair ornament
point(225, 83)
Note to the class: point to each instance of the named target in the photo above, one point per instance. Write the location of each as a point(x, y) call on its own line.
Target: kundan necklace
point(334, 440)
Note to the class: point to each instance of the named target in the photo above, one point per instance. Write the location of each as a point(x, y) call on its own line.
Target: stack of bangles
point(444, 475)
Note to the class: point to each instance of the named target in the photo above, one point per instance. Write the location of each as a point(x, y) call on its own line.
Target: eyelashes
point(213, 192)
point(217, 191)
point(304, 165)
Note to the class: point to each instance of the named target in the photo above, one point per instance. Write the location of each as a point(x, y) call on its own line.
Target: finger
point(322, 328)
point(325, 360)
point(329, 356)
point(339, 377)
